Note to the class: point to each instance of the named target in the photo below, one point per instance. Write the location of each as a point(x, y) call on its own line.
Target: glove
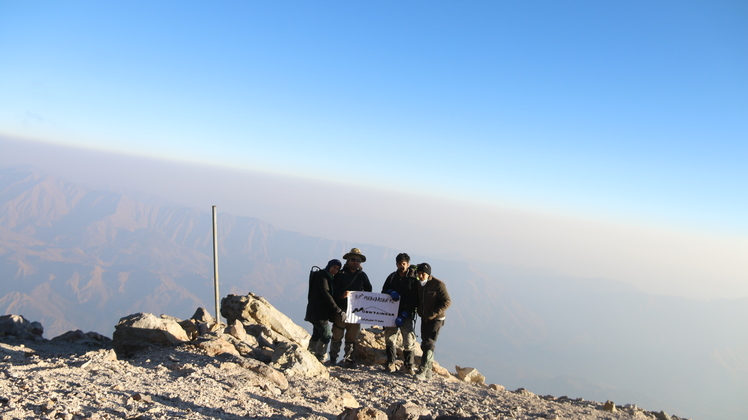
point(394, 295)
point(399, 321)
point(404, 315)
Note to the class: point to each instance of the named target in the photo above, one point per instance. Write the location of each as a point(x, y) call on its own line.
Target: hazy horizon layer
point(665, 262)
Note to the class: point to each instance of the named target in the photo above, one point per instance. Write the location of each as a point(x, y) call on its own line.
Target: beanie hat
point(333, 263)
point(424, 268)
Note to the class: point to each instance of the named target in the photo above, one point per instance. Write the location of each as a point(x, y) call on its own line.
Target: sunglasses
point(354, 259)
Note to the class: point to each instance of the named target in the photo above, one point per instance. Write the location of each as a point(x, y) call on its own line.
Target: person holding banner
point(433, 301)
point(350, 278)
point(401, 286)
point(321, 307)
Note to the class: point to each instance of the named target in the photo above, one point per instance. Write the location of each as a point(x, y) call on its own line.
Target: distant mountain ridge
point(77, 258)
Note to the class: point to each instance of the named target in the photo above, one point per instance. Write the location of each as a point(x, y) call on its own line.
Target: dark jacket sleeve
point(325, 291)
point(387, 283)
point(443, 301)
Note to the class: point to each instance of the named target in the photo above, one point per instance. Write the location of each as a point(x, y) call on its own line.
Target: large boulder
point(90, 338)
point(295, 360)
point(142, 330)
point(20, 327)
point(371, 351)
point(371, 345)
point(255, 309)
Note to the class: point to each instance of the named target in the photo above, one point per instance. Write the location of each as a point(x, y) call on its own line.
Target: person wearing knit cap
point(321, 307)
point(433, 301)
point(351, 278)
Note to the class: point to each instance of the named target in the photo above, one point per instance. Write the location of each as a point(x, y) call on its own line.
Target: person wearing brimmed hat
point(401, 286)
point(350, 279)
point(321, 307)
point(433, 301)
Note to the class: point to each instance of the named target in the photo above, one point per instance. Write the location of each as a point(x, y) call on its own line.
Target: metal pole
point(215, 264)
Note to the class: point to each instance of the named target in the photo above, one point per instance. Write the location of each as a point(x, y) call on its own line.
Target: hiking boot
point(312, 347)
point(334, 350)
point(409, 370)
point(424, 371)
point(321, 351)
point(424, 375)
point(390, 367)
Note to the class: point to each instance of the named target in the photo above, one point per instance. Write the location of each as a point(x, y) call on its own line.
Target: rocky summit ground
point(60, 380)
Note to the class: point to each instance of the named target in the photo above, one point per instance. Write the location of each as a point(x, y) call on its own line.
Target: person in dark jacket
point(433, 301)
point(351, 278)
point(321, 307)
point(401, 286)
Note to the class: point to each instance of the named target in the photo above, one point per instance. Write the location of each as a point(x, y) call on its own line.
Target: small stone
point(110, 356)
point(469, 374)
point(525, 393)
point(609, 406)
point(141, 397)
point(497, 387)
point(48, 406)
point(349, 402)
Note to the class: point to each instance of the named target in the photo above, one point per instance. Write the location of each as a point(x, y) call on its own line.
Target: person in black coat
point(401, 286)
point(321, 307)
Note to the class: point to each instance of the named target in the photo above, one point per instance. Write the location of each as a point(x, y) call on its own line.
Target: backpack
point(312, 271)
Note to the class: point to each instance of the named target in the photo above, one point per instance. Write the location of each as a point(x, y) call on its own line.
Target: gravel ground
point(51, 380)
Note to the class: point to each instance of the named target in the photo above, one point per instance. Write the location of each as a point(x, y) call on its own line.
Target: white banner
point(371, 308)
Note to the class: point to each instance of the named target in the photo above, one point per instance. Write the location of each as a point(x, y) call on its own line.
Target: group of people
point(419, 295)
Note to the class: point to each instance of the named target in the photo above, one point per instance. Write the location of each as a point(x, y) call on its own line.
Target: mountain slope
point(75, 258)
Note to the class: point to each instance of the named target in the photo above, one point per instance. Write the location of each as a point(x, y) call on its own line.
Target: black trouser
point(321, 331)
point(429, 333)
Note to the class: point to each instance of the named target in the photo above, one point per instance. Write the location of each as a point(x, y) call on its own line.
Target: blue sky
point(627, 112)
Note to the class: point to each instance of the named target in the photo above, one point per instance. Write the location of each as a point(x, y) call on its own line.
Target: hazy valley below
point(77, 258)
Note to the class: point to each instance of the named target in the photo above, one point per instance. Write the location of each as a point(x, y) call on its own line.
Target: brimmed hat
point(355, 252)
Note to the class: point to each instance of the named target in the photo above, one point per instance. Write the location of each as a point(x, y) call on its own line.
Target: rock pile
point(255, 331)
point(255, 366)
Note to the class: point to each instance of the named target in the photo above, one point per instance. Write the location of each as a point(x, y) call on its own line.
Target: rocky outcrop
point(78, 336)
point(134, 332)
point(371, 345)
point(20, 327)
point(255, 309)
point(255, 330)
